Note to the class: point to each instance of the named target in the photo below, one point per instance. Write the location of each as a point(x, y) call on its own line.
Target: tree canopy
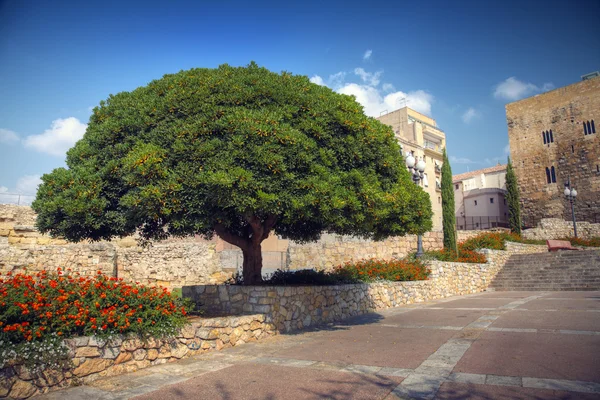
point(240, 151)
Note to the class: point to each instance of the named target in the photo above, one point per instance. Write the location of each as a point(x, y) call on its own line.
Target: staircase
point(562, 270)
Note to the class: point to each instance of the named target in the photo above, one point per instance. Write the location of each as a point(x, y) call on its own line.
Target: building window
point(425, 181)
point(475, 202)
point(439, 200)
point(504, 201)
point(456, 186)
point(589, 127)
point(491, 200)
point(572, 149)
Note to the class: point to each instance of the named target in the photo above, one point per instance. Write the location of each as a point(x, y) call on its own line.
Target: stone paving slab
point(576, 295)
point(541, 320)
point(425, 351)
point(256, 381)
point(476, 303)
point(425, 317)
point(572, 357)
point(459, 391)
point(560, 304)
point(373, 345)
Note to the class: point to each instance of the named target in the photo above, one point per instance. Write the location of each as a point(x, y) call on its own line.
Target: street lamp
point(417, 169)
point(571, 194)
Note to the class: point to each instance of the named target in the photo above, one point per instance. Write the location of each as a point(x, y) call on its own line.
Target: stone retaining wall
point(189, 261)
point(556, 228)
point(296, 307)
point(94, 358)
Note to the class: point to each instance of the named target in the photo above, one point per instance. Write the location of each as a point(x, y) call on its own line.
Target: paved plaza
point(494, 345)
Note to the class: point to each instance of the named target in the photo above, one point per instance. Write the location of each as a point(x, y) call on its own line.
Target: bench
point(556, 245)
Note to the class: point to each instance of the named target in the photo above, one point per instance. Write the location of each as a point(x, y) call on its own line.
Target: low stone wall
point(295, 307)
point(556, 228)
point(189, 261)
point(94, 358)
point(332, 250)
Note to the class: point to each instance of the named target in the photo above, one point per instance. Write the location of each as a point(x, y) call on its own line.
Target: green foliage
point(512, 199)
point(370, 270)
point(308, 277)
point(35, 307)
point(448, 216)
point(591, 242)
point(241, 151)
point(390, 270)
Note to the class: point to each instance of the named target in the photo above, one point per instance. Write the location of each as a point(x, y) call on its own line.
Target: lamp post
point(417, 169)
point(571, 194)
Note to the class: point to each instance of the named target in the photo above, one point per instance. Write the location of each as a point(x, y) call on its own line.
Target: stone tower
point(555, 136)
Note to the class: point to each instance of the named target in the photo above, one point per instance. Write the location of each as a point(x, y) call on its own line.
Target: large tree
point(512, 198)
point(448, 211)
point(237, 151)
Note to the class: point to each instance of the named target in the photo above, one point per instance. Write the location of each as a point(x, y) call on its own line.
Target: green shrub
point(36, 310)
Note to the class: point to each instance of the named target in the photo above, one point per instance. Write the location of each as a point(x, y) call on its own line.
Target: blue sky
point(459, 62)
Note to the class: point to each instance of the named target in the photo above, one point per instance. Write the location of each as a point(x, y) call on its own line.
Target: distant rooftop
point(471, 174)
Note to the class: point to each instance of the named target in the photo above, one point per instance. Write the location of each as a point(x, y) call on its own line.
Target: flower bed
point(468, 249)
point(37, 311)
point(591, 242)
point(389, 270)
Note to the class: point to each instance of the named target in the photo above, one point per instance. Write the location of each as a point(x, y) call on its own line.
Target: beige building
point(555, 136)
point(419, 134)
point(480, 198)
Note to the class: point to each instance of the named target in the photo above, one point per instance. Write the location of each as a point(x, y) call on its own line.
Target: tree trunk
point(251, 246)
point(252, 266)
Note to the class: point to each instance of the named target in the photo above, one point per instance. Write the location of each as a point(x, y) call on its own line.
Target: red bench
point(556, 245)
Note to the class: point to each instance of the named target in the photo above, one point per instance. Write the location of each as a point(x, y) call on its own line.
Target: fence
point(19, 199)
point(480, 223)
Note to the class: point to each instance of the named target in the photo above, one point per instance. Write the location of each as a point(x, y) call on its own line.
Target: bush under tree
point(242, 152)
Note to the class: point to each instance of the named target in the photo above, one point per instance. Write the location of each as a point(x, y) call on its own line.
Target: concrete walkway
point(495, 345)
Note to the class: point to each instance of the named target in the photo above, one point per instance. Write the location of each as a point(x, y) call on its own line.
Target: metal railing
point(19, 199)
point(480, 223)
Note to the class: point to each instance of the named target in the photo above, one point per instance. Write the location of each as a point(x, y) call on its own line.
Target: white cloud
point(23, 193)
point(462, 160)
point(8, 136)
point(375, 100)
point(28, 184)
point(367, 54)
point(507, 150)
point(470, 115)
point(61, 136)
point(375, 103)
point(514, 89)
point(318, 80)
point(371, 79)
point(388, 87)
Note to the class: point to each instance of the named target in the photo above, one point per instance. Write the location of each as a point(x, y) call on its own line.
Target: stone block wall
point(175, 263)
point(295, 307)
point(571, 153)
point(93, 358)
point(332, 250)
point(556, 228)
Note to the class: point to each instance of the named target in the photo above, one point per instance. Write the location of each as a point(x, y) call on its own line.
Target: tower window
point(491, 200)
point(548, 178)
point(551, 137)
point(553, 172)
point(589, 127)
point(572, 149)
point(544, 137)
